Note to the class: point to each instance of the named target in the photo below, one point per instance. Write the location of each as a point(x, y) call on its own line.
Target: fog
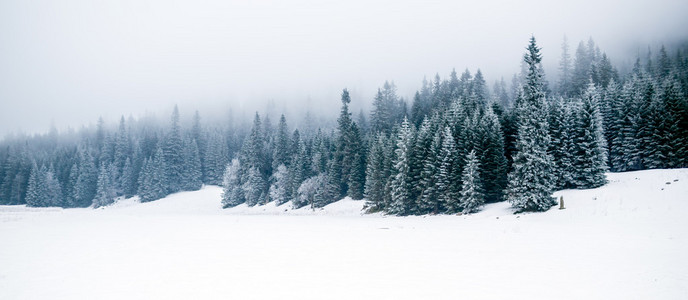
point(68, 62)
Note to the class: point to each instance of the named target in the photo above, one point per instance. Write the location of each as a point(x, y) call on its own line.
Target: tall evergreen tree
point(376, 175)
point(232, 191)
point(472, 197)
point(531, 181)
point(591, 147)
point(105, 192)
point(401, 186)
point(448, 174)
point(493, 164)
point(173, 151)
point(282, 155)
point(36, 192)
point(191, 174)
point(254, 187)
point(86, 183)
point(565, 88)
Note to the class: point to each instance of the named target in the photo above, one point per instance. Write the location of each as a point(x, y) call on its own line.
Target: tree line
point(457, 146)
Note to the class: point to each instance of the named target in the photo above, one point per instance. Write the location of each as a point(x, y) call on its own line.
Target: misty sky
point(69, 62)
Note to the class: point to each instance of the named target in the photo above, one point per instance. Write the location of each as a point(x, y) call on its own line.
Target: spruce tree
point(591, 146)
point(401, 185)
point(54, 195)
point(154, 185)
point(472, 197)
point(279, 190)
point(448, 174)
point(375, 175)
point(232, 191)
point(282, 155)
point(86, 183)
point(191, 174)
point(356, 180)
point(493, 164)
point(36, 192)
point(254, 187)
point(531, 181)
point(428, 198)
point(105, 192)
point(128, 179)
point(173, 151)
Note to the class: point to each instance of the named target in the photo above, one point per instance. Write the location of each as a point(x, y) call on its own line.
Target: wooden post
point(561, 203)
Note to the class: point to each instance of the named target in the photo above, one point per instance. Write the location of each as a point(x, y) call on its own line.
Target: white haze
point(69, 62)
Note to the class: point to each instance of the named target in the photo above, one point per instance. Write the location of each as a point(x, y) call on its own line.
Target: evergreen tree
point(105, 193)
point(215, 158)
point(401, 185)
point(153, 185)
point(232, 191)
point(191, 175)
point(279, 190)
point(591, 147)
point(356, 181)
point(428, 198)
point(565, 88)
point(531, 181)
point(254, 187)
point(282, 155)
point(36, 192)
point(375, 175)
point(86, 182)
point(173, 151)
point(69, 191)
point(448, 174)
point(340, 167)
point(53, 188)
point(472, 196)
point(128, 179)
point(493, 164)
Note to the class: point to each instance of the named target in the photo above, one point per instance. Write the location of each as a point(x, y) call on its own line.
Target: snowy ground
point(627, 240)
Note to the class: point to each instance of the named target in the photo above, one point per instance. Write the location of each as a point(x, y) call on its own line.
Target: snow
point(626, 240)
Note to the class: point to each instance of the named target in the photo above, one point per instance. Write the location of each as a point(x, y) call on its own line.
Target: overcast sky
point(69, 62)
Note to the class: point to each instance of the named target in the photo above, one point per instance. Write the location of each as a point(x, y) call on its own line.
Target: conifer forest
point(456, 145)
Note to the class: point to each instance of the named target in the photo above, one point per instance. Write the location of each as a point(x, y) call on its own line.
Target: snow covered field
point(627, 240)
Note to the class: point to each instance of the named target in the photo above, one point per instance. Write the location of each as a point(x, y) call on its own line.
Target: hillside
point(626, 240)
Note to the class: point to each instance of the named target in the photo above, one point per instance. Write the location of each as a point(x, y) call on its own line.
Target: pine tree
point(472, 197)
point(153, 176)
point(215, 159)
point(54, 196)
point(254, 187)
point(69, 193)
point(565, 68)
point(493, 164)
point(191, 175)
point(531, 181)
point(282, 155)
point(36, 192)
point(401, 185)
point(232, 191)
point(105, 193)
point(591, 147)
point(199, 135)
point(299, 169)
point(448, 174)
point(279, 190)
point(340, 166)
point(173, 151)
point(86, 183)
point(356, 180)
point(128, 179)
point(121, 154)
point(375, 175)
point(428, 198)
